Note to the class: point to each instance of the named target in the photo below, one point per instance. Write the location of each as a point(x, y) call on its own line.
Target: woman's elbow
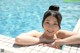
point(18, 40)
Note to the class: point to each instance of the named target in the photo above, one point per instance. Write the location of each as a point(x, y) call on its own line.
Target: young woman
point(52, 35)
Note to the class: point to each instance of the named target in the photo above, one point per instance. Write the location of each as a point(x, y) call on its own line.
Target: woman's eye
point(55, 24)
point(47, 22)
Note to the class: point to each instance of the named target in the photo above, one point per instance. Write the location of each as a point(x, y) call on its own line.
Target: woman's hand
point(56, 44)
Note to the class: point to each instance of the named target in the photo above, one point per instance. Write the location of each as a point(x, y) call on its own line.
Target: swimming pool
point(18, 16)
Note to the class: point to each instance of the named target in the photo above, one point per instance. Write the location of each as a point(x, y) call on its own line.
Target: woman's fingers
point(42, 44)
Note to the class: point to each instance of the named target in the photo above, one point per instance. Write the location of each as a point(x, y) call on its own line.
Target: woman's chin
point(49, 34)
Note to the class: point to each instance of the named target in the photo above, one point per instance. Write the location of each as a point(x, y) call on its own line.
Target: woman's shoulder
point(35, 33)
point(65, 33)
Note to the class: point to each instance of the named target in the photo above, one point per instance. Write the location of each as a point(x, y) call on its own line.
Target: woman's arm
point(75, 39)
point(69, 37)
point(28, 38)
point(66, 37)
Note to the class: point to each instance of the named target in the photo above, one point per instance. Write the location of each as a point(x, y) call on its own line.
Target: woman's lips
point(50, 33)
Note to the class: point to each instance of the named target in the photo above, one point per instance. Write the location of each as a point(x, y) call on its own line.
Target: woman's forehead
point(49, 18)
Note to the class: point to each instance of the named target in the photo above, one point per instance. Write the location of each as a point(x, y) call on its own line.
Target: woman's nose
point(51, 26)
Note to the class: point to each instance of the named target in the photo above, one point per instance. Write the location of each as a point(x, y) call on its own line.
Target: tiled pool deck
point(7, 45)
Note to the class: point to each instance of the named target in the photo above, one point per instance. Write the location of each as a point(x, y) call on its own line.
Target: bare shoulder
point(65, 33)
point(33, 33)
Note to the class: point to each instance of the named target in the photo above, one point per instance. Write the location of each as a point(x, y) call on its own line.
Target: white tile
point(5, 40)
point(44, 49)
point(33, 51)
point(10, 49)
point(73, 51)
point(28, 50)
point(57, 51)
point(64, 51)
point(13, 39)
point(22, 48)
point(5, 43)
point(31, 47)
point(79, 48)
point(37, 47)
point(40, 52)
point(8, 38)
point(1, 39)
point(5, 51)
point(78, 51)
point(1, 42)
point(10, 41)
point(2, 45)
point(74, 47)
point(50, 50)
point(10, 45)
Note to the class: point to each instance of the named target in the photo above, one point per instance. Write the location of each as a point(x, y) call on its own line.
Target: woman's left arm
point(69, 37)
point(66, 37)
point(74, 39)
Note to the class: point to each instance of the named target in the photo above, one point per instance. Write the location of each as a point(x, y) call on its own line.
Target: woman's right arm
point(27, 38)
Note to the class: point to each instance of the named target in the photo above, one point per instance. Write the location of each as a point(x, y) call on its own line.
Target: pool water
point(19, 16)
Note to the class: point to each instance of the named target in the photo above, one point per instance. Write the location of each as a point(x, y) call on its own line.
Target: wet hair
point(53, 11)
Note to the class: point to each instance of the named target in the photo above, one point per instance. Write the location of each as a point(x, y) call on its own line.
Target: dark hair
point(54, 11)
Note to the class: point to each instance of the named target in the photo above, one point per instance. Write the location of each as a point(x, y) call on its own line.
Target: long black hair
point(54, 11)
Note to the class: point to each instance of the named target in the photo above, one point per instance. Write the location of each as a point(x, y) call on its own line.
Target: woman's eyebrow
point(46, 20)
point(55, 21)
point(49, 20)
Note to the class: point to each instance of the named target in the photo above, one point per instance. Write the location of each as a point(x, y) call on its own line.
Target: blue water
point(18, 16)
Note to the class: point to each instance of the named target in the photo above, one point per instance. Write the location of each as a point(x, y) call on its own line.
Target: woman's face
point(50, 25)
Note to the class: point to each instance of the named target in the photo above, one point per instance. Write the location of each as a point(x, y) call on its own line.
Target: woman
point(52, 36)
